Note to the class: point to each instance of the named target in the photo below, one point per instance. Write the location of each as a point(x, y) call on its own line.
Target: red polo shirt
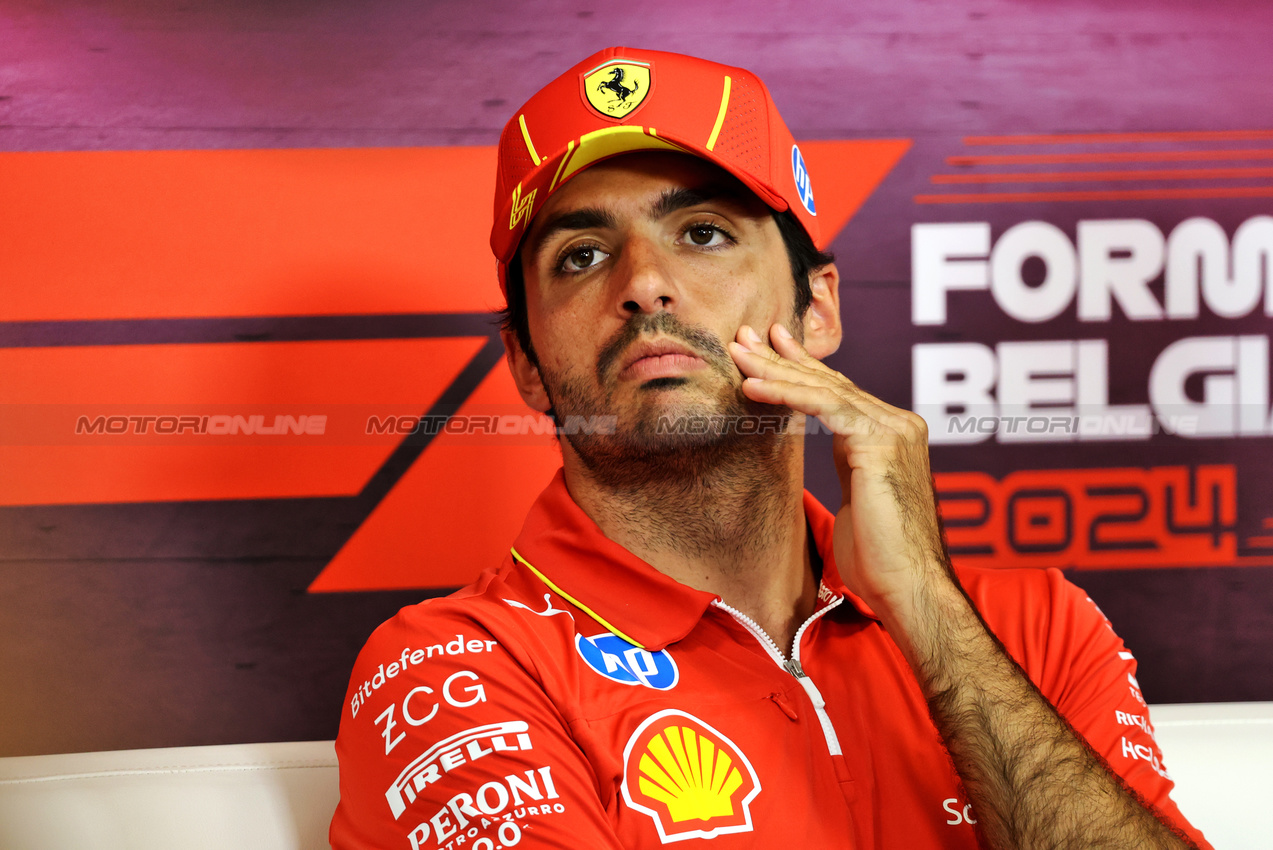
point(576, 697)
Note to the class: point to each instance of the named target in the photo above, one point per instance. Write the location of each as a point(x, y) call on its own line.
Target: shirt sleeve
point(448, 738)
point(1090, 676)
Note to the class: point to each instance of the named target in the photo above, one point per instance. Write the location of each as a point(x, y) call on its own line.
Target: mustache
point(699, 340)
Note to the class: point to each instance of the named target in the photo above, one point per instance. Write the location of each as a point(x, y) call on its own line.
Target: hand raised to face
point(887, 535)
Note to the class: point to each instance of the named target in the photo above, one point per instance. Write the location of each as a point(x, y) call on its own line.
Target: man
point(682, 644)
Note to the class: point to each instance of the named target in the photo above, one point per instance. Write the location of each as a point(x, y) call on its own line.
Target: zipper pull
point(794, 668)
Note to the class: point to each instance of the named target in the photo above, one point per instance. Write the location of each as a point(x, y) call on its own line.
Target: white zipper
point(792, 665)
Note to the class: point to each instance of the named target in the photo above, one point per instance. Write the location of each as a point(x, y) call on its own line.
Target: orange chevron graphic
point(47, 389)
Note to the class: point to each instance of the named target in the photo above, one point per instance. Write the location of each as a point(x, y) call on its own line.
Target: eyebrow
point(670, 201)
point(673, 200)
point(584, 219)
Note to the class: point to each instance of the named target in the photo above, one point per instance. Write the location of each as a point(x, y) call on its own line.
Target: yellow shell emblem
point(617, 88)
point(688, 777)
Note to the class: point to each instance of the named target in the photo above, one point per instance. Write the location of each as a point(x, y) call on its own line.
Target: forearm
point(1031, 779)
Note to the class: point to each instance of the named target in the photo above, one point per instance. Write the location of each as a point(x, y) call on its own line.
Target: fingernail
point(751, 334)
point(783, 332)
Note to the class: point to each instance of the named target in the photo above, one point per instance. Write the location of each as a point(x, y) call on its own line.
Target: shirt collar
point(622, 592)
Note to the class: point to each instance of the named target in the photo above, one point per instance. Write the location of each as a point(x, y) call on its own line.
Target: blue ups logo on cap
point(803, 184)
point(627, 664)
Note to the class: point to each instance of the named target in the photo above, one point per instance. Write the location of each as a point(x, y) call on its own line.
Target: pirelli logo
point(448, 754)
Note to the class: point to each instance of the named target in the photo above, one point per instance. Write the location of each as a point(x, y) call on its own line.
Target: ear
point(822, 329)
point(525, 374)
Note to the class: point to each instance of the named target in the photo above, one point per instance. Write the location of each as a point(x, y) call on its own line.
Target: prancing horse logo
point(618, 88)
point(615, 84)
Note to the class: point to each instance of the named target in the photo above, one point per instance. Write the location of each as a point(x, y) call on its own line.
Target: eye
point(581, 258)
point(707, 235)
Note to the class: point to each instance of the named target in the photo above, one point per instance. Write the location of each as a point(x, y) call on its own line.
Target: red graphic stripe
point(1122, 138)
point(1115, 156)
point(1105, 176)
point(456, 510)
point(46, 389)
point(165, 234)
point(1108, 195)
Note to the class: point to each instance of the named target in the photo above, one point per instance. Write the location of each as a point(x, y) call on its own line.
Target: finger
point(792, 349)
point(766, 363)
point(759, 360)
point(747, 337)
point(778, 344)
point(790, 361)
point(750, 340)
point(774, 367)
point(782, 347)
point(786, 345)
point(833, 410)
point(856, 416)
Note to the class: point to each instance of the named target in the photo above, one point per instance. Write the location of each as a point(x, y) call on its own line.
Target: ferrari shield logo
point(617, 88)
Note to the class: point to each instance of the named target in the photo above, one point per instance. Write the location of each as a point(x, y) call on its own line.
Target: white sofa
point(233, 797)
point(281, 796)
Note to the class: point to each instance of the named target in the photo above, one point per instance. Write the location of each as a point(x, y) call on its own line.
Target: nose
point(646, 280)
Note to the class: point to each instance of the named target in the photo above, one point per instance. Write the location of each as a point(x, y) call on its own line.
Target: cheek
point(759, 290)
point(563, 339)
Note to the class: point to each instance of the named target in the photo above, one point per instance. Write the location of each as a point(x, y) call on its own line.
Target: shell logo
point(689, 778)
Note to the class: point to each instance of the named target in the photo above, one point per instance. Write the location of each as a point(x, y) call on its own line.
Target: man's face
point(638, 272)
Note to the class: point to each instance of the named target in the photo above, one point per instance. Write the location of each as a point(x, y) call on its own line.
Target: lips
point(661, 358)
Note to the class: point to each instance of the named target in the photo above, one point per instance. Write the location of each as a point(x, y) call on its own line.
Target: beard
point(660, 438)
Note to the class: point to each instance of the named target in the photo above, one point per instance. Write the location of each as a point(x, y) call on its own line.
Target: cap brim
point(610, 142)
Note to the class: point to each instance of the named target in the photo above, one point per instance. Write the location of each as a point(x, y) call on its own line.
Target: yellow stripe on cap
point(611, 141)
point(530, 146)
point(720, 116)
point(573, 601)
point(570, 149)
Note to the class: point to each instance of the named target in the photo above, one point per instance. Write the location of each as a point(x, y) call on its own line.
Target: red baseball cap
point(623, 100)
